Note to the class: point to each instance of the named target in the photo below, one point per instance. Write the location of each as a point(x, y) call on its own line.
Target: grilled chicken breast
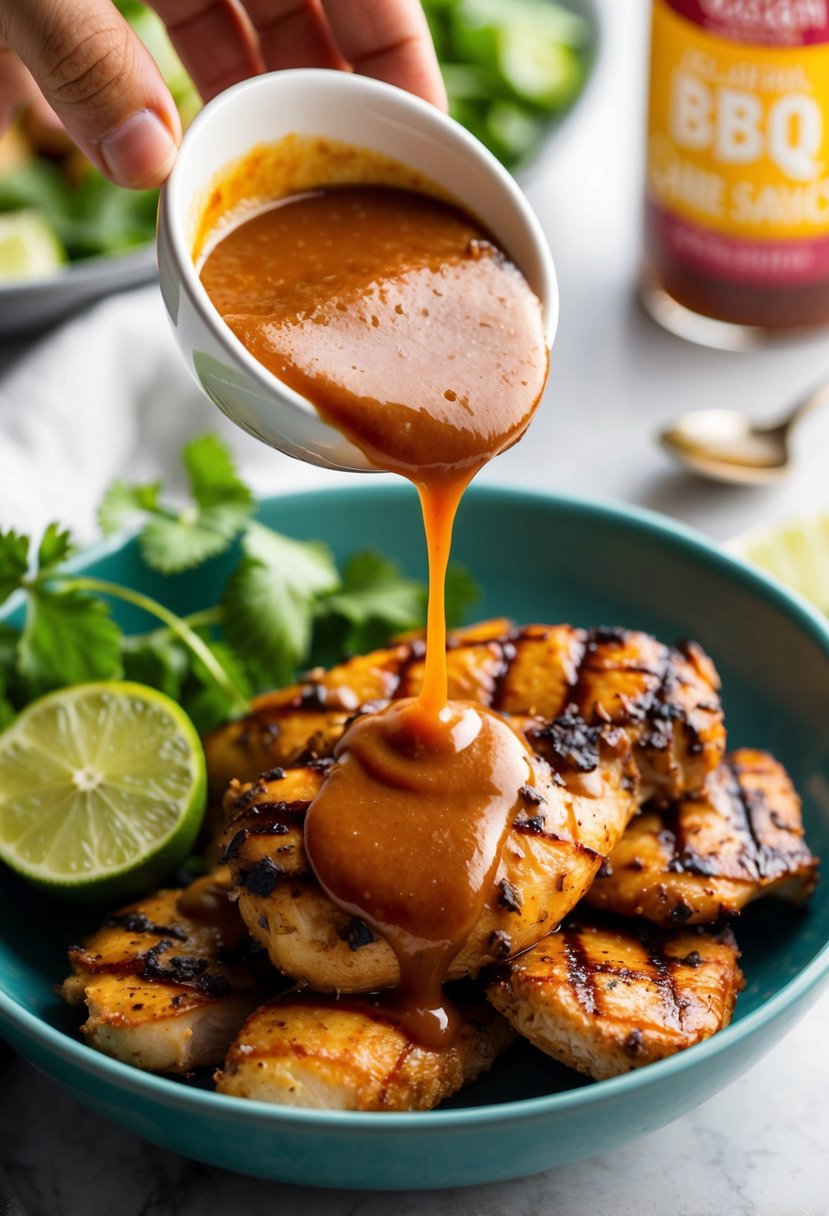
point(563, 831)
point(163, 990)
point(708, 856)
point(665, 699)
point(605, 998)
point(316, 1053)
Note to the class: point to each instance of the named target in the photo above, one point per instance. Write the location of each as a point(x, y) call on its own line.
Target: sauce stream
point(413, 334)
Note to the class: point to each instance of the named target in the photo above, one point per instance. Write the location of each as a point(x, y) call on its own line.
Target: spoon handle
point(817, 396)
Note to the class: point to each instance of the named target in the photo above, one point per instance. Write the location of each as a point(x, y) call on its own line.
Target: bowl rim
point(176, 199)
point(170, 1092)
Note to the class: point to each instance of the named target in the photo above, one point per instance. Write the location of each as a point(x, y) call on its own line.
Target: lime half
point(29, 248)
point(102, 789)
point(796, 553)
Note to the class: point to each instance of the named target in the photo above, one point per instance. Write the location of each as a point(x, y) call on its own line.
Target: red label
point(739, 260)
point(763, 22)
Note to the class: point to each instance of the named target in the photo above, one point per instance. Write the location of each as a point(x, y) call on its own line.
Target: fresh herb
point(284, 607)
point(176, 540)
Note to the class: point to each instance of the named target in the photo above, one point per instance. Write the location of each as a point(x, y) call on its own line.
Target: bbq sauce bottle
point(737, 188)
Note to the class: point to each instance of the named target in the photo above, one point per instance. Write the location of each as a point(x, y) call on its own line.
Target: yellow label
point(738, 135)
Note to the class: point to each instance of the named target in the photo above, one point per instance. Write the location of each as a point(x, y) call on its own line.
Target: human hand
point(88, 65)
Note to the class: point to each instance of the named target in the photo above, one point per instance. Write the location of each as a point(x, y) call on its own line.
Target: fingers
point(17, 85)
point(214, 40)
point(389, 40)
point(294, 34)
point(101, 82)
point(221, 43)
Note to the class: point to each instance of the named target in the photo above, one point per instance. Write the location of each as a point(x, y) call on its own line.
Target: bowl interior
point(541, 559)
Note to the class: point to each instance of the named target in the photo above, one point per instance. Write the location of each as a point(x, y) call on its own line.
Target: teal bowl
point(538, 559)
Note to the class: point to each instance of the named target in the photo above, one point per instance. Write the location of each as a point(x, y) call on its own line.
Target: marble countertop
point(758, 1148)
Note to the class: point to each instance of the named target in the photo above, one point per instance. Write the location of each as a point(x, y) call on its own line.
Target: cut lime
point(29, 248)
point(796, 553)
point(102, 790)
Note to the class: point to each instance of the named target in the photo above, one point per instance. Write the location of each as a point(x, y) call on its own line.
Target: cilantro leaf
point(14, 562)
point(122, 502)
point(8, 661)
point(269, 601)
point(55, 547)
point(222, 504)
point(156, 659)
point(463, 592)
point(203, 700)
point(68, 638)
point(376, 599)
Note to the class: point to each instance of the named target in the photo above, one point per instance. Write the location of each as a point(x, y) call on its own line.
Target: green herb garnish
point(285, 607)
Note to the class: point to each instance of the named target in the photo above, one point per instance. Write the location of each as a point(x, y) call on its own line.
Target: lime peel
point(796, 553)
point(102, 790)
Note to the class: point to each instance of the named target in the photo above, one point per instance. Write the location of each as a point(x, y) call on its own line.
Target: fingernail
point(140, 152)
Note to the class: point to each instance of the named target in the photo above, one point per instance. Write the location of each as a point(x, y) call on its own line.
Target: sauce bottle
point(737, 190)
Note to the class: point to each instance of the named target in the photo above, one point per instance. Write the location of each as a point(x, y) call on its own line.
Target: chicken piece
point(607, 998)
point(665, 699)
point(320, 1053)
point(163, 989)
point(558, 840)
point(707, 857)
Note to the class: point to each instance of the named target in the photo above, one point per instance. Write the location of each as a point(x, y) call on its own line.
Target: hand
point(86, 62)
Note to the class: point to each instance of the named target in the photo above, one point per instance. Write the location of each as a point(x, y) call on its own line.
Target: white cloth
point(108, 396)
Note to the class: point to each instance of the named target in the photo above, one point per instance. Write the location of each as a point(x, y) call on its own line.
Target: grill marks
point(706, 857)
point(665, 699)
point(604, 996)
point(656, 968)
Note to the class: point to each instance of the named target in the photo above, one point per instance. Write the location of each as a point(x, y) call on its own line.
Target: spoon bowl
point(347, 109)
point(726, 445)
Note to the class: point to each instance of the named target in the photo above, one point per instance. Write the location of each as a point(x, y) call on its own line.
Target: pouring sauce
point(398, 316)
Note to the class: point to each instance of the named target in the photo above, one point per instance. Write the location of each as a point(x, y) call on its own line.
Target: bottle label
point(738, 147)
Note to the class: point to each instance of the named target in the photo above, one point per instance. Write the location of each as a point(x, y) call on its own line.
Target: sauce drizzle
point(412, 333)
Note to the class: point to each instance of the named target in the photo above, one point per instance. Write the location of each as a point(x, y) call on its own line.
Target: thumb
point(101, 81)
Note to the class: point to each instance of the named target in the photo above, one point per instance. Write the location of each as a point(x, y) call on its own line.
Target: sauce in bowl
point(398, 317)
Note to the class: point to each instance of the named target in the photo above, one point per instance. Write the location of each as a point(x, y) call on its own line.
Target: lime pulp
point(102, 789)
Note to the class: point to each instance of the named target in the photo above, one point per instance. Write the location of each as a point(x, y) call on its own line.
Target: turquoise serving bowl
point(538, 559)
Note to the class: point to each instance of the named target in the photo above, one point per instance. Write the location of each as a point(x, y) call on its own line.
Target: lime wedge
point(102, 790)
point(29, 248)
point(796, 553)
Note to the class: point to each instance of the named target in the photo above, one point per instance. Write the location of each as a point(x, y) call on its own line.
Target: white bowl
point(349, 109)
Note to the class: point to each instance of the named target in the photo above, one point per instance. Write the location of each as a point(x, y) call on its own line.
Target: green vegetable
point(510, 66)
point(84, 214)
point(285, 607)
point(176, 540)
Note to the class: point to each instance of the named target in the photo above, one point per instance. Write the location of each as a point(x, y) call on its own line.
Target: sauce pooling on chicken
point(415, 336)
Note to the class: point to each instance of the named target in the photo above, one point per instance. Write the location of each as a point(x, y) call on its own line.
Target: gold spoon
point(727, 446)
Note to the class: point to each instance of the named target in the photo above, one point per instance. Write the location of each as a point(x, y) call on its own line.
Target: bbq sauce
point(411, 332)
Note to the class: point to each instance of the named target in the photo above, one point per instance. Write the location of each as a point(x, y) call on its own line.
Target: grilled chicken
point(162, 990)
point(665, 699)
point(605, 999)
point(707, 857)
point(564, 829)
point(322, 1054)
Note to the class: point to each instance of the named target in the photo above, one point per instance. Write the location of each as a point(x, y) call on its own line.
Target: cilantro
point(284, 607)
point(68, 638)
point(54, 548)
point(269, 601)
point(123, 503)
point(173, 541)
point(375, 599)
point(14, 563)
point(462, 593)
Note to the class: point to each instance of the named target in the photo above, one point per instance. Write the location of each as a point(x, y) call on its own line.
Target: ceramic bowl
point(538, 559)
point(349, 109)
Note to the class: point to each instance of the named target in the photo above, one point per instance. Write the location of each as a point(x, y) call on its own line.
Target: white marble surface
point(759, 1148)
